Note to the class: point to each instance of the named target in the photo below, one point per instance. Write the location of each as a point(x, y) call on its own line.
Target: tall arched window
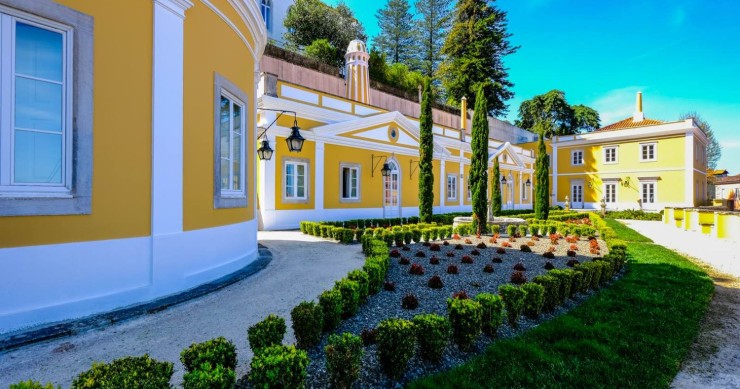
point(266, 9)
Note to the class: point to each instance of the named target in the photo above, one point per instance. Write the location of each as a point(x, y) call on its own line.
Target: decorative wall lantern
point(528, 182)
point(294, 141)
point(265, 151)
point(503, 180)
point(385, 171)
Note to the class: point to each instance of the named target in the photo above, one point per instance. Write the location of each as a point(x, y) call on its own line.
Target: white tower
point(357, 76)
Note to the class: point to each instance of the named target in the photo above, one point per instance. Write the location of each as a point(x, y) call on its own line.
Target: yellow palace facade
point(127, 156)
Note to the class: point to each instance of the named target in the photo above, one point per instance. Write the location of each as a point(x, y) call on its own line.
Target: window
point(45, 161)
point(470, 190)
point(610, 193)
point(295, 180)
point(266, 9)
point(350, 182)
point(648, 192)
point(451, 187)
point(647, 152)
point(577, 157)
point(610, 155)
point(230, 144)
point(524, 190)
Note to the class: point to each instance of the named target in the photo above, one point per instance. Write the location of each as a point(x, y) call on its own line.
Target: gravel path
point(714, 358)
point(227, 312)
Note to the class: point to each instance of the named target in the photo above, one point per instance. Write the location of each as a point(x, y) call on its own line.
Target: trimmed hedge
point(396, 342)
point(466, 318)
point(218, 351)
point(278, 367)
point(492, 312)
point(130, 373)
point(307, 320)
point(343, 357)
point(432, 334)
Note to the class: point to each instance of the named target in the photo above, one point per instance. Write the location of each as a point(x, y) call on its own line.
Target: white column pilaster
point(442, 186)
point(554, 169)
point(319, 187)
point(463, 190)
point(689, 170)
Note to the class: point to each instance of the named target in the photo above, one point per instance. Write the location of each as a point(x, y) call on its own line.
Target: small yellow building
point(127, 135)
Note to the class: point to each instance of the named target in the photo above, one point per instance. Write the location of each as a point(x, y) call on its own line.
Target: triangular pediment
point(507, 155)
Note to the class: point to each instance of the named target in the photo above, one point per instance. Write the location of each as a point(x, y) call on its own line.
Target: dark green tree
point(431, 27)
point(426, 151)
point(309, 20)
point(542, 179)
point(496, 189)
point(714, 149)
point(396, 36)
point(474, 51)
point(479, 163)
point(562, 118)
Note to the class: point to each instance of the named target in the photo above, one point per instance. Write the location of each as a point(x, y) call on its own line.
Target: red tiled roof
point(630, 123)
point(727, 180)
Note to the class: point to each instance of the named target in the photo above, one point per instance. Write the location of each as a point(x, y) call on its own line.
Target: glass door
point(392, 192)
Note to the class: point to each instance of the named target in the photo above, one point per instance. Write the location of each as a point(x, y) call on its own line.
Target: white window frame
point(230, 198)
point(573, 154)
point(470, 190)
point(524, 189)
point(355, 167)
point(73, 195)
point(654, 183)
point(655, 152)
point(451, 189)
point(606, 192)
point(306, 175)
point(235, 101)
point(606, 155)
point(266, 11)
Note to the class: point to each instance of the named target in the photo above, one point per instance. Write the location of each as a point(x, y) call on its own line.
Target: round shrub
point(518, 278)
point(375, 274)
point(432, 334)
point(500, 250)
point(206, 376)
point(525, 248)
point(566, 281)
point(343, 356)
point(520, 267)
point(488, 268)
point(492, 312)
point(369, 336)
point(395, 253)
point(389, 286)
point(405, 248)
point(407, 237)
point(130, 372)
point(435, 247)
point(572, 262)
point(481, 245)
point(350, 291)
point(435, 282)
point(218, 351)
point(331, 307)
point(434, 261)
point(461, 295)
point(496, 260)
point(278, 367)
point(396, 342)
point(452, 269)
point(474, 252)
point(549, 266)
point(548, 255)
point(458, 246)
point(409, 301)
point(420, 254)
point(450, 254)
point(445, 243)
point(571, 253)
point(466, 259)
point(30, 384)
point(308, 320)
point(552, 291)
point(404, 261)
point(416, 269)
point(266, 333)
point(513, 301)
point(534, 299)
point(363, 281)
point(577, 283)
point(466, 318)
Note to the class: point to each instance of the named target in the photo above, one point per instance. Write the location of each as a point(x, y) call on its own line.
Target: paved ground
point(714, 358)
point(302, 267)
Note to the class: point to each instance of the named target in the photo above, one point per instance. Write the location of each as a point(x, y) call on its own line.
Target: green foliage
point(586, 277)
point(474, 52)
point(331, 306)
point(278, 367)
point(566, 281)
point(343, 357)
point(511, 230)
point(218, 351)
point(350, 291)
point(432, 334)
point(478, 175)
point(552, 291)
point(714, 148)
point(375, 274)
point(542, 181)
point(585, 119)
point(363, 281)
point(466, 318)
point(432, 25)
point(206, 376)
point(534, 300)
point(266, 333)
point(307, 320)
point(634, 214)
point(426, 153)
point(559, 117)
point(496, 189)
point(322, 51)
point(30, 384)
point(130, 373)
point(396, 342)
point(513, 297)
point(493, 312)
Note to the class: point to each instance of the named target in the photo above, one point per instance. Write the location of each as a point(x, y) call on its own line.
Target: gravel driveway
point(302, 267)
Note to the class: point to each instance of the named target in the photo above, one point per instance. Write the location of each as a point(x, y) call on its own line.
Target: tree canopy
point(396, 37)
point(432, 27)
point(426, 152)
point(714, 148)
point(553, 108)
point(474, 50)
point(311, 20)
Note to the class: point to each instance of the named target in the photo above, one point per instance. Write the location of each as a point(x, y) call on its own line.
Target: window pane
point(38, 105)
point(38, 157)
point(224, 132)
point(224, 174)
point(345, 182)
point(236, 162)
point(289, 169)
point(38, 52)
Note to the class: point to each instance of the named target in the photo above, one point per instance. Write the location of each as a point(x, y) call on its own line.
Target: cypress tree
point(496, 189)
point(542, 182)
point(426, 149)
point(479, 163)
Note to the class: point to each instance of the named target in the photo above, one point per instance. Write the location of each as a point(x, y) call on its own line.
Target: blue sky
point(684, 55)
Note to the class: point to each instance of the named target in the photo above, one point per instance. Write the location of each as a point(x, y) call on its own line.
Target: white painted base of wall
point(623, 206)
point(42, 284)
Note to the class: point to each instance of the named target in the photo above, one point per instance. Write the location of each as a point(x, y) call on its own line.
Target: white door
point(576, 195)
point(510, 195)
point(392, 192)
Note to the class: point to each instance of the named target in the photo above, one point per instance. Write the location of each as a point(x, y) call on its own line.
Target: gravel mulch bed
point(471, 278)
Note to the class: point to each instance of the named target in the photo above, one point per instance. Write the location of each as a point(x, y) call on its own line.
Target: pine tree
point(496, 189)
point(542, 180)
point(474, 51)
point(426, 150)
point(479, 163)
point(396, 37)
point(432, 27)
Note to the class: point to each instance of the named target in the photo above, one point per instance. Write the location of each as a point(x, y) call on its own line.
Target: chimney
point(357, 72)
point(638, 116)
point(463, 113)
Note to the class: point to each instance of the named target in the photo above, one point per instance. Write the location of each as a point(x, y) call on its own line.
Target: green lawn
point(633, 333)
point(626, 233)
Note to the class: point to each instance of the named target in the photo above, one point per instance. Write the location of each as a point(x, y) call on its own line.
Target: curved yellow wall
point(122, 120)
point(211, 46)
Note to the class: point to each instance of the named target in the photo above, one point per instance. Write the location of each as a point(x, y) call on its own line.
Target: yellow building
point(127, 135)
point(352, 132)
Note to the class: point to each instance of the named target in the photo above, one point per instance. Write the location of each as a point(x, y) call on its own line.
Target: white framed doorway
point(576, 194)
point(392, 191)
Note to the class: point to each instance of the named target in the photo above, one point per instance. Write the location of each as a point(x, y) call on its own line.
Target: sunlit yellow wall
point(670, 187)
point(303, 123)
point(453, 168)
point(308, 153)
point(670, 154)
point(700, 182)
point(121, 188)
point(371, 185)
point(231, 59)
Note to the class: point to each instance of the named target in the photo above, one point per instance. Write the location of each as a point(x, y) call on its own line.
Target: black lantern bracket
point(413, 167)
point(294, 141)
point(385, 171)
